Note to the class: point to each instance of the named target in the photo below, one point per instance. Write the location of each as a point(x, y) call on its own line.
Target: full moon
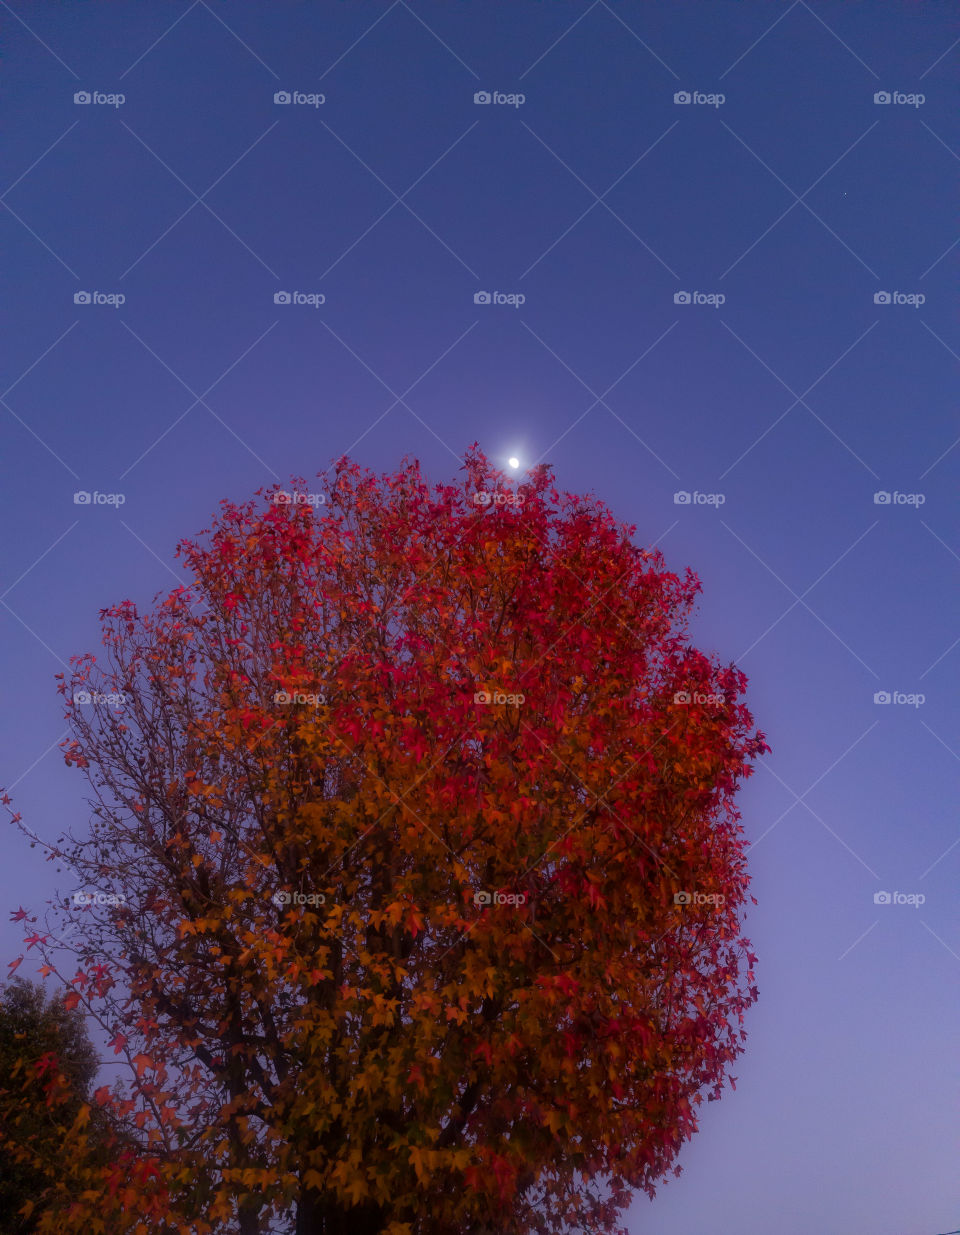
point(514, 462)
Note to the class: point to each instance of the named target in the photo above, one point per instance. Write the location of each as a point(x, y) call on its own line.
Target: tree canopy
point(39, 1038)
point(413, 890)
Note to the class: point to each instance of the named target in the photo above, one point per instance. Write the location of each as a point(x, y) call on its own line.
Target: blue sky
point(813, 169)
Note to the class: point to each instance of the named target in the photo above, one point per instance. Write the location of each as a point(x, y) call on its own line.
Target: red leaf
point(118, 1042)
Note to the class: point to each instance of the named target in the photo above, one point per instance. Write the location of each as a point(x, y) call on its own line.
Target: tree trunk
point(318, 1214)
point(248, 1217)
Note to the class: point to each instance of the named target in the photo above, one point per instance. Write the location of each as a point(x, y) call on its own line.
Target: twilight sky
point(747, 299)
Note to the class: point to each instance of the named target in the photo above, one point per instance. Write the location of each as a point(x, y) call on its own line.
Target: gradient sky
point(797, 399)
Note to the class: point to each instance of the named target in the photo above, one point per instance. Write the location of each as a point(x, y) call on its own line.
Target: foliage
point(39, 1040)
point(421, 881)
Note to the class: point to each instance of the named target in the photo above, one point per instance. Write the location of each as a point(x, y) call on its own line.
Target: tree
point(38, 1037)
point(419, 876)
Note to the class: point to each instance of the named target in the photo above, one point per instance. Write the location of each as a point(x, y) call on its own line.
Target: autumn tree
point(414, 880)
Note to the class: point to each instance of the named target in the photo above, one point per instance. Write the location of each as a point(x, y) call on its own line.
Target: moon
point(514, 461)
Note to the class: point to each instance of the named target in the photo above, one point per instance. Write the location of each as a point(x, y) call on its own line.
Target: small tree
point(420, 877)
point(39, 1038)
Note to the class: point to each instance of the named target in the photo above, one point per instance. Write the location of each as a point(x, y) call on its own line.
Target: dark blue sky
point(598, 198)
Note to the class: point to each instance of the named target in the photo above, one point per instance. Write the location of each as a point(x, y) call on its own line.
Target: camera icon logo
point(281, 96)
point(681, 297)
point(881, 498)
point(681, 498)
point(682, 898)
point(81, 96)
point(281, 898)
point(682, 96)
point(881, 297)
point(81, 498)
point(481, 297)
point(482, 96)
point(281, 297)
point(881, 898)
point(81, 297)
point(881, 96)
point(481, 499)
point(681, 696)
point(81, 697)
point(881, 696)
point(481, 898)
point(482, 696)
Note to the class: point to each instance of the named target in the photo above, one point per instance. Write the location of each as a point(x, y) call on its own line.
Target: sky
point(700, 258)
